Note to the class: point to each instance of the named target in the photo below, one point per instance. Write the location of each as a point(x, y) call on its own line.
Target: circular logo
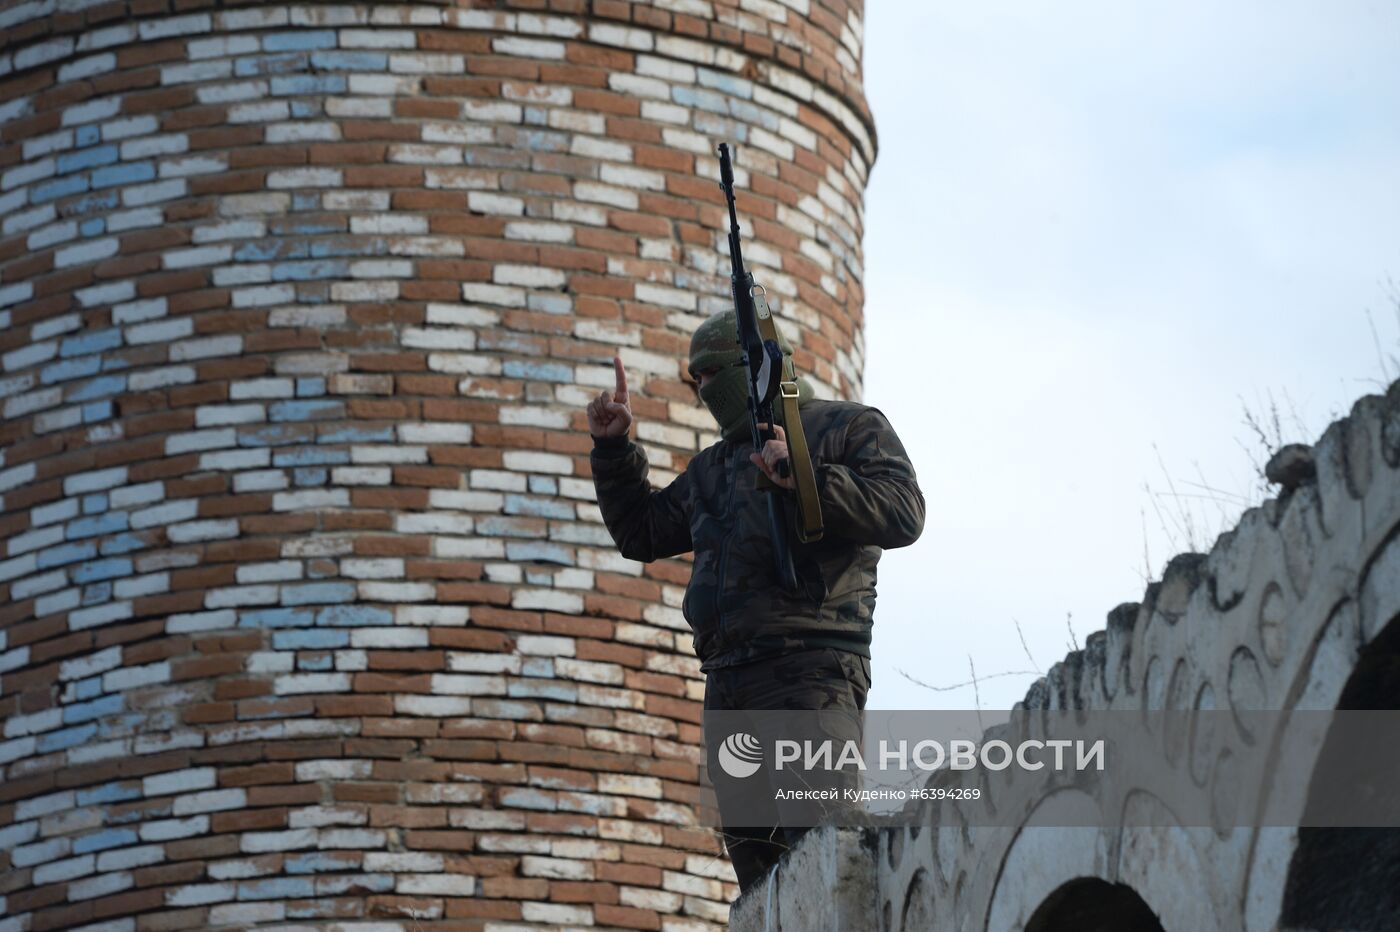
point(740, 755)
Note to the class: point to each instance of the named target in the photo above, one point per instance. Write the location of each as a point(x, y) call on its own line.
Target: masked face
point(727, 396)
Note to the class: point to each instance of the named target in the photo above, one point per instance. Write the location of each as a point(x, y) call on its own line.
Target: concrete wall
point(1296, 608)
point(307, 616)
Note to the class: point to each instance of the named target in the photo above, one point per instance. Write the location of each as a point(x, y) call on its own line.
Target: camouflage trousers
point(833, 681)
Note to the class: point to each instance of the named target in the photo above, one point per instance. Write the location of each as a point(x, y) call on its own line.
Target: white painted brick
point(98, 615)
point(465, 685)
point(210, 801)
point(207, 347)
point(164, 514)
point(160, 378)
point(102, 885)
point(162, 331)
point(373, 568)
point(269, 572)
point(311, 499)
point(91, 665)
point(311, 683)
point(134, 677)
point(127, 858)
point(131, 312)
point(435, 885)
point(432, 706)
point(453, 616)
point(202, 530)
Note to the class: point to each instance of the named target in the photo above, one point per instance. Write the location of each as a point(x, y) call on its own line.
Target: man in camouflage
point(763, 648)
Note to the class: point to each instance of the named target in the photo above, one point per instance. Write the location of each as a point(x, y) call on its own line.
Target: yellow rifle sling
point(809, 508)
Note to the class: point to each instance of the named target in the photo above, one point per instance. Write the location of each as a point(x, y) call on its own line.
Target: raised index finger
point(620, 396)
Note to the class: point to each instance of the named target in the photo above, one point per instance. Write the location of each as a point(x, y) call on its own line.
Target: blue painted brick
point(84, 159)
point(97, 411)
point(91, 204)
point(306, 109)
point(551, 303)
point(87, 711)
point(97, 593)
point(315, 663)
point(70, 369)
point(299, 40)
point(97, 388)
point(274, 435)
point(95, 504)
point(123, 543)
point(66, 738)
point(310, 456)
point(311, 387)
point(318, 593)
point(286, 63)
point(540, 371)
point(350, 61)
point(544, 485)
point(310, 639)
point(539, 550)
point(109, 793)
point(352, 433)
point(66, 553)
point(726, 83)
point(58, 187)
point(102, 569)
point(263, 251)
point(277, 618)
point(96, 341)
point(748, 115)
point(305, 201)
point(310, 226)
point(300, 84)
point(88, 135)
point(306, 410)
point(101, 841)
point(97, 525)
point(89, 688)
point(354, 616)
point(125, 174)
point(309, 478)
point(93, 227)
point(538, 507)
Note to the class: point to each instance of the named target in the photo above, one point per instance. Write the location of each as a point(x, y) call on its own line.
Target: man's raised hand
point(610, 414)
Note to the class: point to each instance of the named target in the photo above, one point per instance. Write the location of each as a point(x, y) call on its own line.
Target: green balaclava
point(715, 344)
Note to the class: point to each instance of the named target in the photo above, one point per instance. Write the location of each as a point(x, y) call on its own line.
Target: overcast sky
point(1092, 230)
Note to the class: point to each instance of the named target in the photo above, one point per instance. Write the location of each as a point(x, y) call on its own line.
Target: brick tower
point(307, 615)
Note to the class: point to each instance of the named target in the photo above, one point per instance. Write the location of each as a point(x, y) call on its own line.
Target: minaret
point(308, 618)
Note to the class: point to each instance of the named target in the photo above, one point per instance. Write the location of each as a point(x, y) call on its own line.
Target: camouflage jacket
point(870, 502)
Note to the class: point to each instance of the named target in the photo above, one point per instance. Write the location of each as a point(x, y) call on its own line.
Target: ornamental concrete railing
point(1297, 608)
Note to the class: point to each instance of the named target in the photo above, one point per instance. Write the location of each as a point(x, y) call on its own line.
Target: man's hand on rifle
point(774, 452)
point(610, 415)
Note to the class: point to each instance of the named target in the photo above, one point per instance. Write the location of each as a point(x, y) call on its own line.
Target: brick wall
point(307, 616)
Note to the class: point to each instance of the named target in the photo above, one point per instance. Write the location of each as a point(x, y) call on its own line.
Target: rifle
point(771, 378)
